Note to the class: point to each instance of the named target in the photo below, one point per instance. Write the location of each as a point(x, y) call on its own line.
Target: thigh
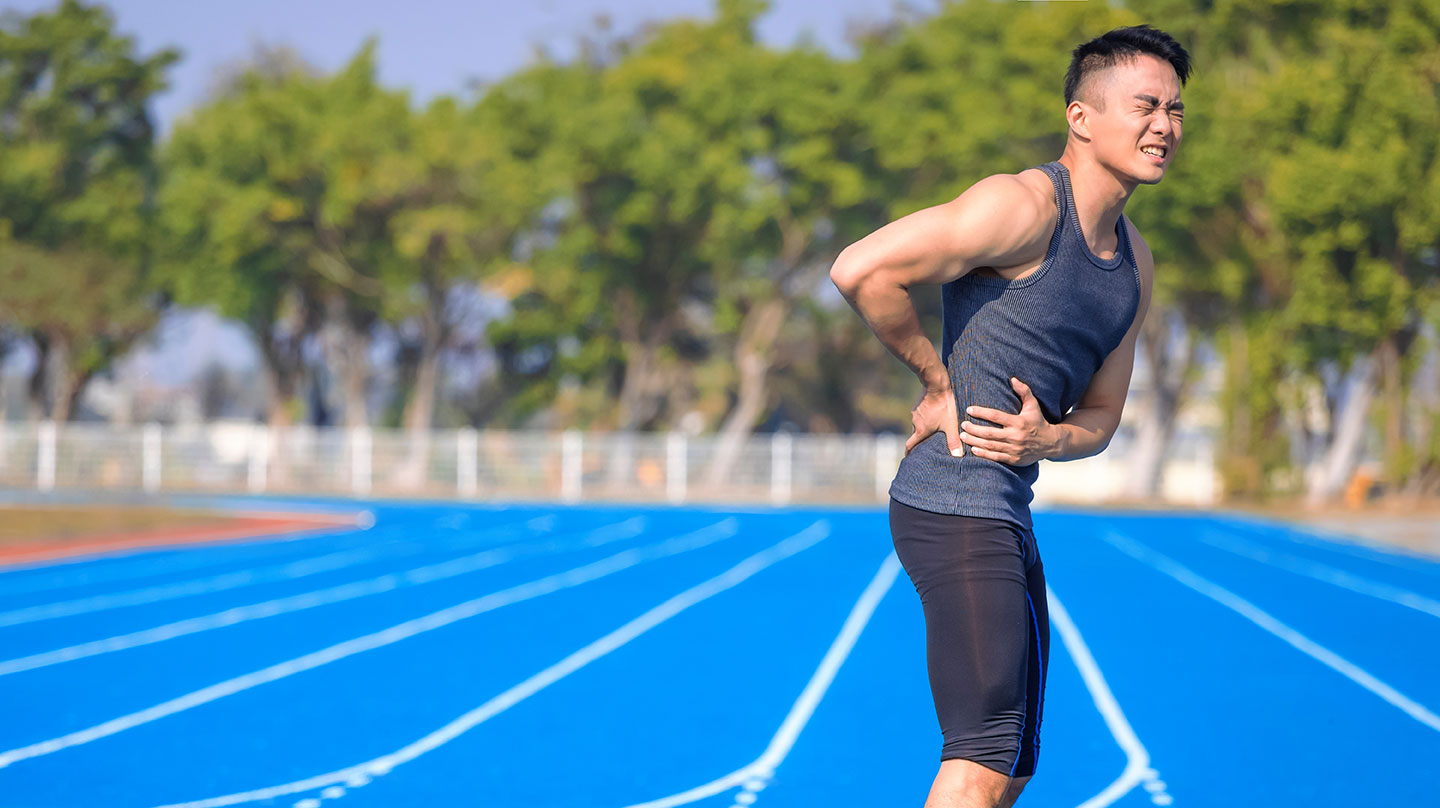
point(1037, 667)
point(971, 577)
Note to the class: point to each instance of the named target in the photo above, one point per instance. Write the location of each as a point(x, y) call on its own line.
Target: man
point(1045, 288)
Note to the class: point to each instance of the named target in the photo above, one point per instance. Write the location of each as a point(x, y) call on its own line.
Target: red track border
point(242, 527)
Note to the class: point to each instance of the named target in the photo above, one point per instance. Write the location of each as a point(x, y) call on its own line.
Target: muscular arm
point(998, 221)
point(1088, 428)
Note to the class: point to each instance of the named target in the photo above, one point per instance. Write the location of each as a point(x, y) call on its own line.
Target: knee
point(1012, 792)
point(964, 783)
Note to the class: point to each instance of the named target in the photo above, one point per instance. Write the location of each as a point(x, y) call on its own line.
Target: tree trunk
point(357, 376)
point(282, 368)
point(1347, 438)
point(38, 377)
point(796, 269)
point(1169, 355)
point(1392, 383)
point(754, 356)
point(1238, 469)
point(419, 412)
point(76, 388)
point(348, 346)
point(420, 407)
point(62, 385)
point(631, 409)
point(636, 407)
point(1424, 392)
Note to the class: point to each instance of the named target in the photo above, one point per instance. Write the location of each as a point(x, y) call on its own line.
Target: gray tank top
point(1052, 329)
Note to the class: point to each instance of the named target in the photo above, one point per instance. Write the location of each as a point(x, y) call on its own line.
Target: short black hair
point(1121, 45)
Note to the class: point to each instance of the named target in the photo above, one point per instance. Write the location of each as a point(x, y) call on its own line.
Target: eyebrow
point(1155, 102)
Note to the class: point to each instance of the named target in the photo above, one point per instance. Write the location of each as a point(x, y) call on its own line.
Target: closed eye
point(1149, 103)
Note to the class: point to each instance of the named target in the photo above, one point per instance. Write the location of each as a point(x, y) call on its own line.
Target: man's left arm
point(1027, 437)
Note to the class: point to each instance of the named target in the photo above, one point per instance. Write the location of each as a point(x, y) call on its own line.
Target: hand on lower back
point(936, 412)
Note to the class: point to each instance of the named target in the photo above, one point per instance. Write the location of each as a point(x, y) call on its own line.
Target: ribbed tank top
point(1052, 329)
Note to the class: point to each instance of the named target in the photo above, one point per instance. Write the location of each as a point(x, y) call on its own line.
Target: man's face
point(1141, 113)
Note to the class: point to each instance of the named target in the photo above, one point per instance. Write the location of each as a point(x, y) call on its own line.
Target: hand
point(1020, 439)
point(936, 412)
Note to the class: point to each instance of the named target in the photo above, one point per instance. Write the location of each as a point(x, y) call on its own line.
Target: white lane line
point(1349, 544)
point(410, 628)
point(171, 562)
point(1266, 621)
point(363, 773)
point(1321, 572)
point(100, 571)
point(1137, 759)
point(756, 775)
point(214, 583)
point(323, 597)
point(87, 571)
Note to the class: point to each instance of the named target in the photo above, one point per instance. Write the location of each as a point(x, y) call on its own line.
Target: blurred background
point(580, 249)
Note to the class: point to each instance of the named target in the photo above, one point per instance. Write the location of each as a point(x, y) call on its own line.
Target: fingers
point(990, 432)
point(954, 442)
point(993, 415)
point(957, 447)
point(992, 445)
point(999, 457)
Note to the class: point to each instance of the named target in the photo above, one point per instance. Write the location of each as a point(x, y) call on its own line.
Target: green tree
point(278, 202)
point(810, 191)
point(1351, 188)
point(76, 177)
point(643, 169)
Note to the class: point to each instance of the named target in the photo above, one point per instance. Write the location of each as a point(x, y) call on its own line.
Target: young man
point(1045, 288)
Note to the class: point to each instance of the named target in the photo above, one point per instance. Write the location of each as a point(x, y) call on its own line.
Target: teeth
point(1153, 150)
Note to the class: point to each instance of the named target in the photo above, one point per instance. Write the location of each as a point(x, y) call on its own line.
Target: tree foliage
point(653, 219)
point(77, 178)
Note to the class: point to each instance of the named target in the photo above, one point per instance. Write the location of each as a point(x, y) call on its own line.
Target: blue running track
point(613, 656)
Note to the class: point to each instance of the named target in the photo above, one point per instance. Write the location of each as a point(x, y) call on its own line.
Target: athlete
point(1045, 286)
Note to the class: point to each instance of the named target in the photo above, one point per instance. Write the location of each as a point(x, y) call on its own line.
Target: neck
point(1100, 198)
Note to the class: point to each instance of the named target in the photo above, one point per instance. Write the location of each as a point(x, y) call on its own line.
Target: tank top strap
point(1126, 248)
point(1062, 195)
point(1071, 237)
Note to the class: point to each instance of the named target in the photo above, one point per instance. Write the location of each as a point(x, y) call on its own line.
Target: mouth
point(1155, 154)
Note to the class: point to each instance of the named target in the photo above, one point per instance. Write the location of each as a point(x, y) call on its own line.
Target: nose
point(1161, 124)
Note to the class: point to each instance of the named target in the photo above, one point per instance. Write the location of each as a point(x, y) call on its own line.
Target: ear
point(1078, 116)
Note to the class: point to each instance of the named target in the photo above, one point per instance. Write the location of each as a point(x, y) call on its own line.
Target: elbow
point(846, 273)
point(1108, 434)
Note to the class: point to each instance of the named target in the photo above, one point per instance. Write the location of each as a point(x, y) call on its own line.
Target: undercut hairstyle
point(1119, 46)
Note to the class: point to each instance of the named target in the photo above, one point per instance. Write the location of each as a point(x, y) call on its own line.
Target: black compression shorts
point(987, 632)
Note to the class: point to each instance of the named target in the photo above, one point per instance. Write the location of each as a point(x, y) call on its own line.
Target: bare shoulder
point(1003, 220)
point(1027, 198)
point(1011, 217)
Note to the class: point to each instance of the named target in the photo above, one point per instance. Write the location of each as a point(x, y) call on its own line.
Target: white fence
point(498, 465)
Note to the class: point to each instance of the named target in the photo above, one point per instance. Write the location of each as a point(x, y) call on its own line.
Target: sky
point(430, 47)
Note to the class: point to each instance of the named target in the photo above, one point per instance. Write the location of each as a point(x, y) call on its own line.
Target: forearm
point(888, 311)
point(1083, 433)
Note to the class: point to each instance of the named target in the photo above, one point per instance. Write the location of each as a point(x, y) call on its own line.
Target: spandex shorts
point(987, 632)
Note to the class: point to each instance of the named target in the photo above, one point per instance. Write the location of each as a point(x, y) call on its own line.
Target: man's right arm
point(999, 221)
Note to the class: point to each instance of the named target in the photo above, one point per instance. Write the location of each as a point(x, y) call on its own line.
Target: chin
point(1149, 174)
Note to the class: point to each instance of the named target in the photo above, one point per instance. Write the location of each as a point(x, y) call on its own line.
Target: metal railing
point(499, 465)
